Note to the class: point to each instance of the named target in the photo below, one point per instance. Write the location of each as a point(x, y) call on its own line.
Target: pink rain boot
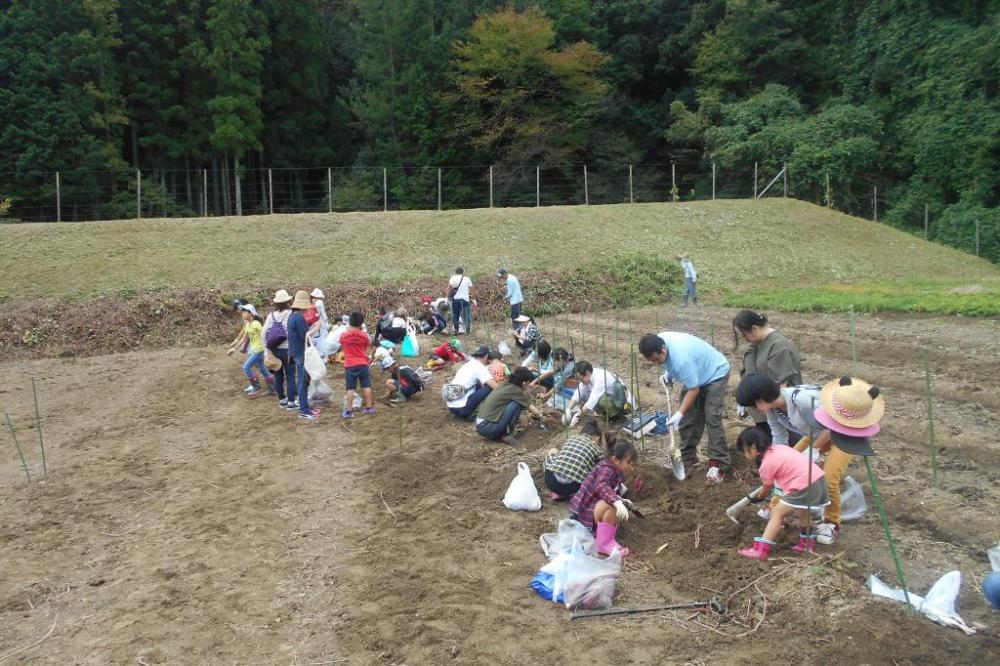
point(606, 543)
point(760, 550)
point(806, 544)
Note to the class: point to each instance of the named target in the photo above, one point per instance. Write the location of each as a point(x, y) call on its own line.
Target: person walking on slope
point(514, 294)
point(690, 280)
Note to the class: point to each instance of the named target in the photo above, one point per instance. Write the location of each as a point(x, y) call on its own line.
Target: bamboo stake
point(638, 402)
point(930, 420)
point(604, 366)
point(13, 434)
point(854, 347)
point(812, 440)
point(888, 530)
point(38, 425)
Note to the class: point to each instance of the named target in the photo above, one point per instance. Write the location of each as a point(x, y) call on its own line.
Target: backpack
point(406, 374)
point(276, 334)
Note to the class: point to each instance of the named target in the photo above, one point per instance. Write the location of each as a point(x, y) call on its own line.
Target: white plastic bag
point(852, 500)
point(570, 535)
point(938, 605)
point(320, 391)
point(994, 555)
point(315, 365)
point(522, 494)
point(587, 582)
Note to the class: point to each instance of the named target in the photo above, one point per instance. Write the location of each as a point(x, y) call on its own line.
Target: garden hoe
point(735, 509)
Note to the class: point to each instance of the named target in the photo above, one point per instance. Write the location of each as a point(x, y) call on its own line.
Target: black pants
point(558, 487)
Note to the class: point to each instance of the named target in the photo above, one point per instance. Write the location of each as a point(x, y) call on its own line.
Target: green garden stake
point(888, 531)
point(812, 439)
point(638, 402)
point(38, 425)
point(854, 347)
point(930, 420)
point(597, 332)
point(13, 434)
point(711, 335)
point(604, 367)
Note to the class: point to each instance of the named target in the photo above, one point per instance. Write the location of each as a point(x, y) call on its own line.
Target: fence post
point(977, 238)
point(58, 200)
point(631, 199)
point(538, 186)
point(270, 192)
point(491, 186)
point(829, 195)
point(385, 190)
point(784, 170)
point(204, 192)
point(439, 188)
point(673, 179)
point(926, 221)
point(713, 181)
point(586, 188)
point(329, 190)
point(875, 203)
point(755, 180)
point(138, 194)
point(239, 187)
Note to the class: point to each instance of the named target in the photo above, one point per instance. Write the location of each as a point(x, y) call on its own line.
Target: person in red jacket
point(444, 355)
point(354, 343)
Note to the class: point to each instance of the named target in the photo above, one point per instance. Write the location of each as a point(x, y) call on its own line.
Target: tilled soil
point(184, 523)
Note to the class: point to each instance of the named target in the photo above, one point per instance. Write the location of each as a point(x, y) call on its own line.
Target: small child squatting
point(597, 504)
point(790, 470)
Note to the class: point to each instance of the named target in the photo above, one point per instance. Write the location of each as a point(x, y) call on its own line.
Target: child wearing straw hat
point(850, 409)
point(277, 344)
point(298, 330)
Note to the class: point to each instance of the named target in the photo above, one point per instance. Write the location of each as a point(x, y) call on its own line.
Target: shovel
point(676, 462)
point(735, 509)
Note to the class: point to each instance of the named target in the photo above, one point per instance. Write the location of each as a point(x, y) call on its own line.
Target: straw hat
point(281, 296)
point(317, 293)
point(301, 301)
point(852, 403)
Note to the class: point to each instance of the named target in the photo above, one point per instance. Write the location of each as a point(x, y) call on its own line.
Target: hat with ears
point(281, 296)
point(853, 404)
point(249, 308)
point(301, 301)
point(317, 293)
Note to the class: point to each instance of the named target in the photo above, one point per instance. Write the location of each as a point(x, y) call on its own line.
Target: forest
point(901, 95)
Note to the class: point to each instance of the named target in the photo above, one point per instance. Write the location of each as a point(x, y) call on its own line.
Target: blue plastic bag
point(543, 584)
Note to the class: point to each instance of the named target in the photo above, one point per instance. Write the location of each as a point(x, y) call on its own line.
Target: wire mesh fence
point(78, 196)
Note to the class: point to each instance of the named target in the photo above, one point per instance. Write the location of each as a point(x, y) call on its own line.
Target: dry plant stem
point(930, 420)
point(697, 536)
point(38, 425)
point(13, 434)
point(38, 642)
point(386, 505)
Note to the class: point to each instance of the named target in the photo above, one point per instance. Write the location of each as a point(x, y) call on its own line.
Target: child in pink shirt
point(801, 482)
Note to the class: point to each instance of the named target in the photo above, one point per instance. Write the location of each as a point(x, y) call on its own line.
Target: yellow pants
point(833, 470)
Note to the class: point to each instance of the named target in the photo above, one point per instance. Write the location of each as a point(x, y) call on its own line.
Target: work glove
point(741, 411)
point(621, 510)
point(755, 500)
point(675, 419)
point(666, 380)
point(629, 503)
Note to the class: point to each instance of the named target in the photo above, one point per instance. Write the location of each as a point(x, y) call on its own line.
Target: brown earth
point(184, 523)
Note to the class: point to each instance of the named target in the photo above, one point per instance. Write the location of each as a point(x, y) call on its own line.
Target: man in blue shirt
point(513, 294)
point(298, 329)
point(704, 372)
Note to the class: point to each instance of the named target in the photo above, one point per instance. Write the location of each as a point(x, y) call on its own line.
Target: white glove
point(576, 418)
point(675, 419)
point(741, 411)
point(666, 380)
point(621, 510)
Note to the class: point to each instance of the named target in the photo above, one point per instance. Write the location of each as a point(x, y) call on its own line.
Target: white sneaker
point(249, 389)
point(826, 533)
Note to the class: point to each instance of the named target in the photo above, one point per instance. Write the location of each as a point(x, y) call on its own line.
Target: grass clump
point(630, 279)
point(978, 299)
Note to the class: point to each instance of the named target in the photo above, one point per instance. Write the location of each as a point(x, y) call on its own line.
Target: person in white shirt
point(460, 293)
point(595, 384)
point(476, 383)
point(690, 280)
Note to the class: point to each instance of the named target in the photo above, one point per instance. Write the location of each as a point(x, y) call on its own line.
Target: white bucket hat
point(317, 293)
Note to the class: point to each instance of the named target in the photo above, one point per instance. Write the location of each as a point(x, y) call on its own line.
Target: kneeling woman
point(500, 411)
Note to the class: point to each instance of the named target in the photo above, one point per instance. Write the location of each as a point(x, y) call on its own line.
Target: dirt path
point(183, 523)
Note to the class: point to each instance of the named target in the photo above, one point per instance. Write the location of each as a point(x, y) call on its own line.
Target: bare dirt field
point(184, 523)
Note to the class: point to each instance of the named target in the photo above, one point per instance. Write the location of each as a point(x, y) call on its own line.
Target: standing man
point(704, 372)
point(690, 280)
point(460, 295)
point(514, 295)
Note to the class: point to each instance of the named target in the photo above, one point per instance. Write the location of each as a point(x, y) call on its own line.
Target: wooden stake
point(38, 425)
point(854, 347)
point(930, 420)
point(13, 434)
